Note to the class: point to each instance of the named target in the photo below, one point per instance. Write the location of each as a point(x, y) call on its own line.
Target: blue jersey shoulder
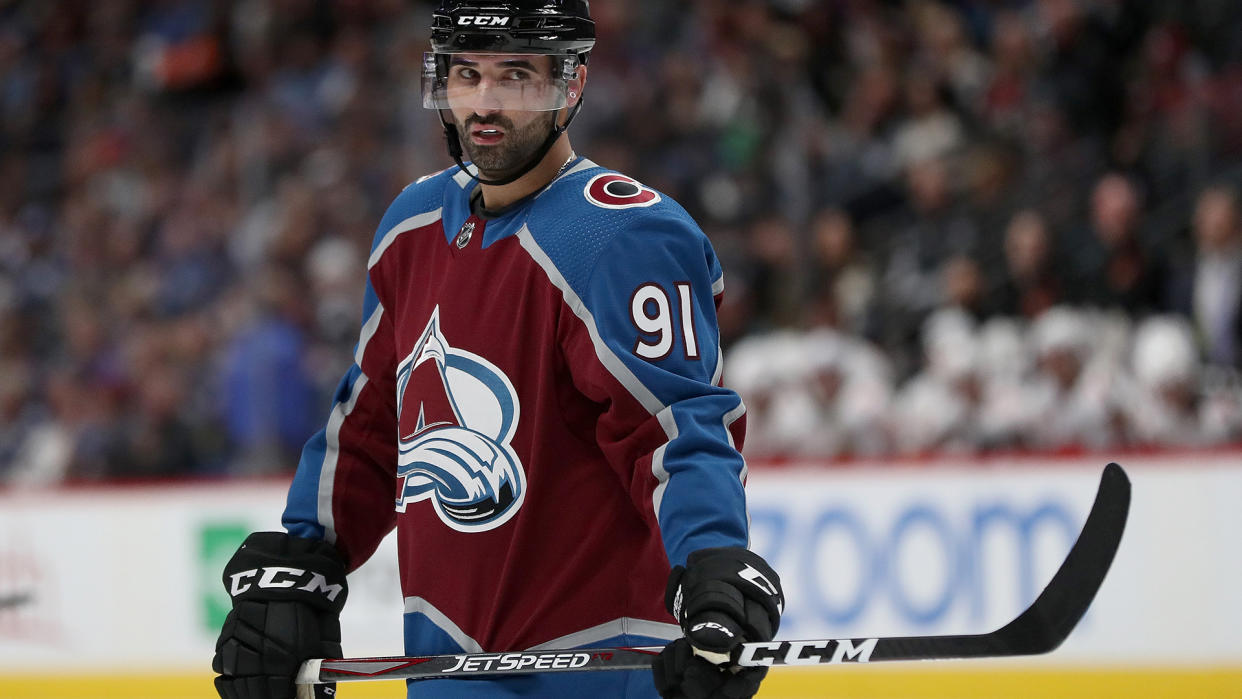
point(443, 191)
point(592, 210)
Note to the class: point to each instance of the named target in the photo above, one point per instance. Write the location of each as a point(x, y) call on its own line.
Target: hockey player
point(535, 406)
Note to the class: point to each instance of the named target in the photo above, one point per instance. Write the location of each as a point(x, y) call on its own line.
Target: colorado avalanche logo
point(613, 191)
point(456, 414)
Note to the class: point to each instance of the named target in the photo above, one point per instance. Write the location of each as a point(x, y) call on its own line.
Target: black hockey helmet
point(554, 27)
point(558, 28)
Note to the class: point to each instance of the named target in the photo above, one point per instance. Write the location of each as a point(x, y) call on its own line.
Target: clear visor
point(495, 81)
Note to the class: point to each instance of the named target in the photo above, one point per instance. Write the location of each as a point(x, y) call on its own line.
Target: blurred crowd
point(946, 225)
point(1068, 381)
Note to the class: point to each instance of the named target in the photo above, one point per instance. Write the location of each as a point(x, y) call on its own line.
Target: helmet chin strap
point(455, 149)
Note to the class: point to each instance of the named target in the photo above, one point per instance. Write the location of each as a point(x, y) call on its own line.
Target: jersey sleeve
point(344, 487)
point(669, 428)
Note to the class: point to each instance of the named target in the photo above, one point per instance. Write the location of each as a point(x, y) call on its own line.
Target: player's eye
point(465, 73)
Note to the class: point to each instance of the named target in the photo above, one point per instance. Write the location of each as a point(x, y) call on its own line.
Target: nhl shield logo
point(464, 234)
point(457, 413)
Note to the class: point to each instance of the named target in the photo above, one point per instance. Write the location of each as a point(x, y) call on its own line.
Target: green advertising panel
point(216, 543)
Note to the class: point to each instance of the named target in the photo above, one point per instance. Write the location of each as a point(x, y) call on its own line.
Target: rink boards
point(127, 600)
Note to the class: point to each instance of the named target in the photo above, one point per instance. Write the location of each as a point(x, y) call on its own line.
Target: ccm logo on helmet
point(482, 21)
point(613, 191)
point(278, 577)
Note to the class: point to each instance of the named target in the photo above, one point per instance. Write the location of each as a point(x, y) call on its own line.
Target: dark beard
point(512, 153)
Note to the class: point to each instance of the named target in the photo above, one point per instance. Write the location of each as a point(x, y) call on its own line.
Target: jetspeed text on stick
point(513, 662)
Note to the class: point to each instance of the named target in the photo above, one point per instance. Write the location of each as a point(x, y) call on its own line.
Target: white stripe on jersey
point(418, 605)
point(612, 363)
point(669, 423)
point(465, 178)
point(332, 434)
point(586, 164)
point(610, 360)
point(729, 418)
point(332, 453)
point(718, 373)
point(627, 378)
point(368, 332)
point(610, 629)
point(411, 223)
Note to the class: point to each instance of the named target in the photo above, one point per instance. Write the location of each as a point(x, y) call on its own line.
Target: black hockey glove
point(680, 674)
point(287, 597)
point(722, 597)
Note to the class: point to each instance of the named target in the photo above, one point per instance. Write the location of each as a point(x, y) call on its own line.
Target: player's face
point(500, 108)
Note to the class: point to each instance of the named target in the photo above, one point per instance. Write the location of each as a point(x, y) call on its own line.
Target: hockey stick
point(1039, 629)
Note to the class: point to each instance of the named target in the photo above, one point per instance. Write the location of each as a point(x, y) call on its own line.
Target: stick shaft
point(1039, 629)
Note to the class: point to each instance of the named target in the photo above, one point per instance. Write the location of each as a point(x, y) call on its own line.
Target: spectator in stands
point(770, 372)
point(842, 278)
point(964, 287)
point(938, 408)
point(1031, 284)
point(946, 49)
point(267, 401)
point(929, 230)
point(855, 156)
point(930, 130)
point(19, 416)
point(1004, 368)
point(49, 443)
point(1014, 64)
point(1168, 124)
point(772, 271)
point(1209, 288)
point(1080, 67)
point(849, 382)
point(1166, 404)
point(1071, 402)
point(1116, 270)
